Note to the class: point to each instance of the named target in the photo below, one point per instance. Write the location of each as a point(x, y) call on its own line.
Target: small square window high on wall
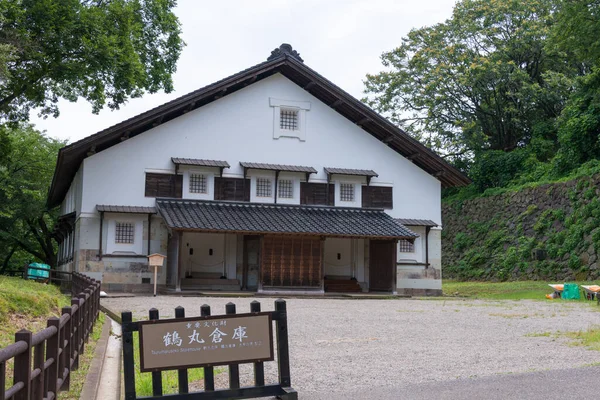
point(347, 192)
point(404, 246)
point(263, 187)
point(285, 189)
point(124, 233)
point(288, 119)
point(198, 183)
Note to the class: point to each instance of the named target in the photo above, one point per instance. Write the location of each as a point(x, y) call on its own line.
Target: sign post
point(156, 260)
point(207, 341)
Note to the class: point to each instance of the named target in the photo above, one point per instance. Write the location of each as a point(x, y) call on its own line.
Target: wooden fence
point(53, 352)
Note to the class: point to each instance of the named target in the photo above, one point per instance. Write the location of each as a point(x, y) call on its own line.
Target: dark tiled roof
point(278, 167)
point(126, 209)
point(216, 216)
point(201, 163)
point(416, 222)
point(347, 171)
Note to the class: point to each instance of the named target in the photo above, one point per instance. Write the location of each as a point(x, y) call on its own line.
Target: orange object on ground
point(591, 291)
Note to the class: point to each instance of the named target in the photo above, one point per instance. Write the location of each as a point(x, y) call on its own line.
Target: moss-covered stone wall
point(548, 232)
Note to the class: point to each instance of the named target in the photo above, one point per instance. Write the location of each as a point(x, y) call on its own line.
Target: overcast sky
point(340, 39)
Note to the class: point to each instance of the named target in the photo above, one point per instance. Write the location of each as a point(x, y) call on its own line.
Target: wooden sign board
point(205, 341)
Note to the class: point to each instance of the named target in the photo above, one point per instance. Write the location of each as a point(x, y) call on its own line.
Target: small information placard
point(205, 341)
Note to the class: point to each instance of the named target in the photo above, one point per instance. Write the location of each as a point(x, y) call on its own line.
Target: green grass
point(589, 338)
point(520, 290)
point(85, 361)
point(26, 305)
point(170, 382)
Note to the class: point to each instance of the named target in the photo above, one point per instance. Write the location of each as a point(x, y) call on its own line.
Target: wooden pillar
point(395, 267)
point(100, 239)
point(179, 261)
point(427, 229)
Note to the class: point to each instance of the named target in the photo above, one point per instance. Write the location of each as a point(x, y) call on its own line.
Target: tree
point(105, 51)
point(577, 30)
point(26, 168)
point(482, 80)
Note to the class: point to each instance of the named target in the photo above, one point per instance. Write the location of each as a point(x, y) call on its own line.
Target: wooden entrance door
point(251, 262)
point(382, 265)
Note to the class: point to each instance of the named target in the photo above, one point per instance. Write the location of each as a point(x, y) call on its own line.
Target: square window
point(346, 192)
point(404, 246)
point(263, 187)
point(124, 232)
point(198, 183)
point(288, 119)
point(285, 189)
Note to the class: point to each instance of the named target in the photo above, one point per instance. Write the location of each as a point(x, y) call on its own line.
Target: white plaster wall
point(72, 201)
point(333, 266)
point(419, 254)
point(201, 260)
point(239, 127)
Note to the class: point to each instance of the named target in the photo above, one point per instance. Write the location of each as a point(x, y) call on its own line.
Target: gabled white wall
point(72, 200)
point(240, 127)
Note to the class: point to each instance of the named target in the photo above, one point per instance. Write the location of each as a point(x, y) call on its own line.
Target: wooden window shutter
point(232, 189)
point(378, 197)
point(316, 194)
point(164, 185)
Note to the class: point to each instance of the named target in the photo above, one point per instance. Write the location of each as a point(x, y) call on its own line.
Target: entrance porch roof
point(258, 218)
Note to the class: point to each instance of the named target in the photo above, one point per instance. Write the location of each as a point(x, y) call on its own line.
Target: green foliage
point(482, 80)
point(103, 51)
point(27, 161)
point(496, 168)
point(461, 241)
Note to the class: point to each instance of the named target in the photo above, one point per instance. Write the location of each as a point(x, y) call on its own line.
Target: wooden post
point(37, 390)
point(155, 275)
point(22, 366)
point(283, 352)
point(52, 354)
point(76, 332)
point(259, 368)
point(128, 366)
point(66, 354)
point(182, 373)
point(234, 369)
point(2, 379)
point(209, 374)
point(157, 389)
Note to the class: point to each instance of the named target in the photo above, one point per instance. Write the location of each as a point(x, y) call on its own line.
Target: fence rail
point(54, 351)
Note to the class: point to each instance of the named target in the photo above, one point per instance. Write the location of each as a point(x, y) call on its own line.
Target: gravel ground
point(341, 345)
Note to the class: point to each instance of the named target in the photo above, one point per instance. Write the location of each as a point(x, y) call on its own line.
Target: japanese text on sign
point(219, 340)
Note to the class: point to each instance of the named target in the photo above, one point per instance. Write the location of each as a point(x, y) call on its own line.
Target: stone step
point(208, 282)
point(224, 288)
point(342, 286)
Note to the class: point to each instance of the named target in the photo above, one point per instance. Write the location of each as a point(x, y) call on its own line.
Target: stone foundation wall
point(120, 273)
point(548, 232)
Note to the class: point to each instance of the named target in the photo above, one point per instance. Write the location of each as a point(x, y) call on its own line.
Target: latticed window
point(198, 183)
point(263, 187)
point(404, 246)
point(288, 119)
point(346, 192)
point(285, 189)
point(124, 232)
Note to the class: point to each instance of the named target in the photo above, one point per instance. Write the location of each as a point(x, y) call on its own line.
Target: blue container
point(34, 273)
